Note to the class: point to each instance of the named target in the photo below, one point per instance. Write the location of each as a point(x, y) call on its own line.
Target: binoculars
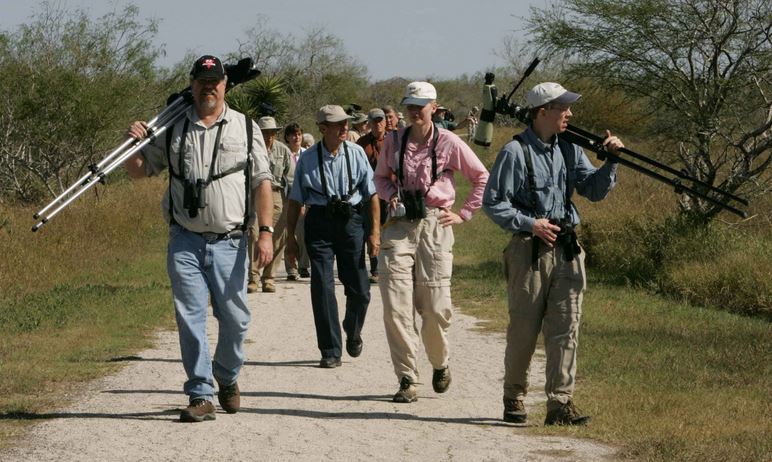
point(339, 208)
point(194, 197)
point(411, 207)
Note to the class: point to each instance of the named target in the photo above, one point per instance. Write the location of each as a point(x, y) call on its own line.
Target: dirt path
point(292, 410)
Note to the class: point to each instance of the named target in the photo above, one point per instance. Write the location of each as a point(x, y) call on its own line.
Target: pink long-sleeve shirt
point(453, 154)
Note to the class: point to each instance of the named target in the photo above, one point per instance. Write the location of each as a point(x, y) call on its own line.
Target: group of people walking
point(237, 199)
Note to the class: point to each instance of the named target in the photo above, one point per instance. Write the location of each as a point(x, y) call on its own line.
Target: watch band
point(268, 229)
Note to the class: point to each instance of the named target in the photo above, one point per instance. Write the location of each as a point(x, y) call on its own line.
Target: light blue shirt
point(307, 186)
point(507, 199)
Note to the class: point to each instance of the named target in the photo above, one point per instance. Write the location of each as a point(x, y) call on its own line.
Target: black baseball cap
point(207, 67)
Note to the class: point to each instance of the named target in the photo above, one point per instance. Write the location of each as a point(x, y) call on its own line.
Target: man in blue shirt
point(529, 194)
point(333, 178)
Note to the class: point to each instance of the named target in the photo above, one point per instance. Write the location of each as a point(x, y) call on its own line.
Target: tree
point(704, 67)
point(76, 84)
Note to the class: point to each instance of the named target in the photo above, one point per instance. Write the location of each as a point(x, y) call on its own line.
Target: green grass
point(90, 289)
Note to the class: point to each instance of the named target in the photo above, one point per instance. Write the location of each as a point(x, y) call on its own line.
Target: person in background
point(372, 143)
point(357, 129)
point(415, 174)
point(529, 195)
point(215, 156)
point(279, 156)
point(308, 141)
point(392, 120)
point(293, 137)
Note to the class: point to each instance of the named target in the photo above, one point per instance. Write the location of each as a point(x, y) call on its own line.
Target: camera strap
point(320, 159)
point(401, 160)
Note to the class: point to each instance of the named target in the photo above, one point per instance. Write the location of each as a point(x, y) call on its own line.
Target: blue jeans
point(200, 270)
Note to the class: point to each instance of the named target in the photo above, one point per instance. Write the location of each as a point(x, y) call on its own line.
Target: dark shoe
point(329, 363)
point(373, 278)
point(229, 398)
point(406, 392)
point(514, 411)
point(198, 410)
point(292, 277)
point(303, 273)
point(354, 346)
point(566, 414)
point(441, 380)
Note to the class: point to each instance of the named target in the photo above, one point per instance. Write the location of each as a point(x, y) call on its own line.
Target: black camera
point(339, 208)
point(415, 207)
point(194, 197)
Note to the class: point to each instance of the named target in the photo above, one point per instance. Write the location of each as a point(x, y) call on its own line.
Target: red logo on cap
point(209, 63)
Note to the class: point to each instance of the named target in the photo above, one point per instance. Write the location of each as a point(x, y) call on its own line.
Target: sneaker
point(406, 392)
point(566, 414)
point(441, 380)
point(329, 363)
point(354, 346)
point(198, 410)
point(292, 277)
point(251, 287)
point(304, 273)
point(229, 398)
point(514, 411)
point(269, 287)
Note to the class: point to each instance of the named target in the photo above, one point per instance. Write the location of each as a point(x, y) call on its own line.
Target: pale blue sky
point(428, 38)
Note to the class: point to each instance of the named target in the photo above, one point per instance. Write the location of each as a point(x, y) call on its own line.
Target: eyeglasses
point(559, 108)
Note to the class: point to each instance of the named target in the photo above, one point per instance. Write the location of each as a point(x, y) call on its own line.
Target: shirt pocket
point(232, 156)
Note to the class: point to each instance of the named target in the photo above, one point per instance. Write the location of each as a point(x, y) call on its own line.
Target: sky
point(412, 39)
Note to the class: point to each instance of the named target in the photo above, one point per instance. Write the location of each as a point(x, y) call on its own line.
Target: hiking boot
point(406, 392)
point(292, 277)
point(304, 273)
point(373, 278)
point(354, 346)
point(566, 414)
point(441, 380)
point(514, 411)
point(251, 287)
point(269, 287)
point(229, 397)
point(329, 363)
point(198, 410)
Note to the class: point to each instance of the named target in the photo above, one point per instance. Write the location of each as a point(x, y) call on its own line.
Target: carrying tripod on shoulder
point(177, 105)
point(575, 135)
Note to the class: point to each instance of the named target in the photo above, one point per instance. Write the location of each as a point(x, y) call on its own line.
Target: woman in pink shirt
point(415, 175)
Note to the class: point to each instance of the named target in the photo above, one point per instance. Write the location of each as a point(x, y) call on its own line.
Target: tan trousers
point(415, 265)
point(547, 299)
point(279, 240)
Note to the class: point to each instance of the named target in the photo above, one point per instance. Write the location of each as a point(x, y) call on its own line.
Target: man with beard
point(218, 176)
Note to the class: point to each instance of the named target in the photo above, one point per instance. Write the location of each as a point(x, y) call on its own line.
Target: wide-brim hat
point(358, 118)
point(268, 123)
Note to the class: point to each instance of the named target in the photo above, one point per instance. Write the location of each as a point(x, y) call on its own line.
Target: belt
point(233, 234)
point(566, 240)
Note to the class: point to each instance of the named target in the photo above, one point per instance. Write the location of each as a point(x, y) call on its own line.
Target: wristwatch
point(268, 229)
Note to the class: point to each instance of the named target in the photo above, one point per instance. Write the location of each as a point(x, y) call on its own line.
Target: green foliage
point(702, 67)
point(77, 82)
point(257, 97)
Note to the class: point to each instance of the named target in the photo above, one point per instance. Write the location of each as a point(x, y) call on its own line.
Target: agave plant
point(260, 97)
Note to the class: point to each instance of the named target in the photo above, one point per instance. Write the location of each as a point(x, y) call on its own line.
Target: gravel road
point(293, 410)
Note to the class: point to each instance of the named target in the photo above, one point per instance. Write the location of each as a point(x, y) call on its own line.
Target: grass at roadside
point(92, 288)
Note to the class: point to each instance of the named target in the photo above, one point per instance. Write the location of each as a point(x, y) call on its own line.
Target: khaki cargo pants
point(547, 299)
point(279, 224)
point(415, 265)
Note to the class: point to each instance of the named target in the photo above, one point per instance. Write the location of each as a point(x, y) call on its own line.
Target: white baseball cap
point(419, 94)
point(550, 92)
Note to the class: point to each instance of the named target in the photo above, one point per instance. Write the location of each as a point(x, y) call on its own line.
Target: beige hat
point(330, 113)
point(419, 94)
point(267, 123)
